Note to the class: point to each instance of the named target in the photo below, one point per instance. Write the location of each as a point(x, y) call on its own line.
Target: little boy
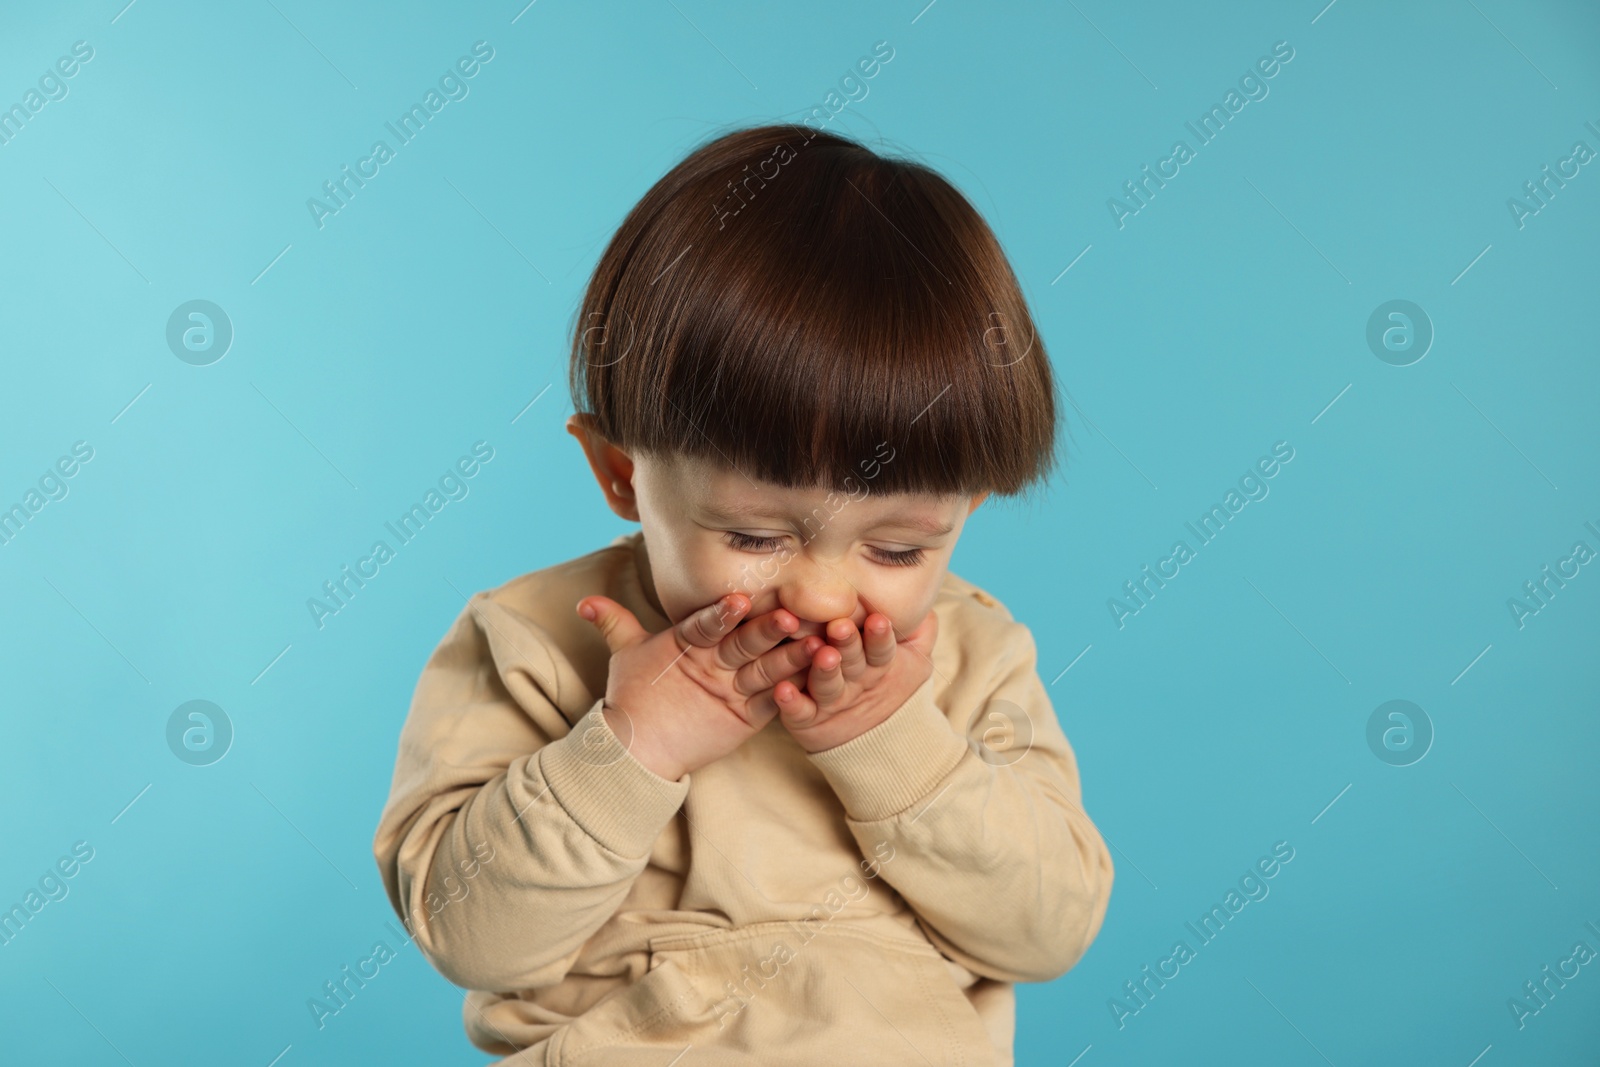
point(763, 782)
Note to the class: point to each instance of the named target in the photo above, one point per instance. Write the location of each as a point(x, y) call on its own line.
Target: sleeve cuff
point(887, 769)
point(619, 801)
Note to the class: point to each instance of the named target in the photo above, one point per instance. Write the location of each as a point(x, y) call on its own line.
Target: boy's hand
point(854, 683)
point(687, 696)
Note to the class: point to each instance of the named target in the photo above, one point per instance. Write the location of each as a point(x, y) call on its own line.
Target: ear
point(612, 467)
point(980, 498)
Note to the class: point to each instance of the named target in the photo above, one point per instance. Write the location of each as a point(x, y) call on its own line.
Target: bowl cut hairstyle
point(791, 303)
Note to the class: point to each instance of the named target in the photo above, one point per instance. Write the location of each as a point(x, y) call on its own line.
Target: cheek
point(684, 592)
point(905, 599)
point(690, 573)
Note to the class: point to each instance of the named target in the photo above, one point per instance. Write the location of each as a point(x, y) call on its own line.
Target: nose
point(816, 593)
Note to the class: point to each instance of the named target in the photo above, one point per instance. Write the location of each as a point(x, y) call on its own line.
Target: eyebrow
point(920, 523)
point(927, 526)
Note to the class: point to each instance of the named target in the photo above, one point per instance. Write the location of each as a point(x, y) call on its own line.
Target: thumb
point(615, 622)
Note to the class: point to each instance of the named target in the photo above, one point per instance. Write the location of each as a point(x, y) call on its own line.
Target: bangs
point(814, 315)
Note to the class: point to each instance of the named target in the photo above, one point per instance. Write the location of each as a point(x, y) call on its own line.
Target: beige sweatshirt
point(872, 903)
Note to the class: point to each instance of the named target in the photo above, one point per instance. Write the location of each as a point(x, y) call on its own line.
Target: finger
point(795, 706)
point(766, 703)
point(825, 684)
point(880, 640)
point(796, 682)
point(788, 660)
point(843, 635)
point(615, 622)
point(711, 623)
point(755, 636)
point(797, 679)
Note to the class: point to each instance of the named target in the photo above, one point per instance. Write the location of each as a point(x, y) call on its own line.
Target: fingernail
point(588, 612)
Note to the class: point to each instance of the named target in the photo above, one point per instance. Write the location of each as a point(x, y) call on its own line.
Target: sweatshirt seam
point(479, 604)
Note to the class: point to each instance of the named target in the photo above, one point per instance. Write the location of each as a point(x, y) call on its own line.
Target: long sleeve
point(1005, 871)
point(508, 838)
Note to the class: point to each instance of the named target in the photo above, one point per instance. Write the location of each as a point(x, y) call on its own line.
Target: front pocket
point(819, 992)
point(662, 1012)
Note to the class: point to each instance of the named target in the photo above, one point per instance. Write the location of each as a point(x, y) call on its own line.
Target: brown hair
point(786, 301)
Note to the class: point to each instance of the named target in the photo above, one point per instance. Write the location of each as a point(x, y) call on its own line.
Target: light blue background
point(1227, 315)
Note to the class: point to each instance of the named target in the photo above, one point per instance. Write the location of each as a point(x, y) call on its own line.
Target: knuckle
point(709, 623)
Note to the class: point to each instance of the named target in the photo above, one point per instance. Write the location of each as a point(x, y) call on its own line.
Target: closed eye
point(909, 557)
point(751, 543)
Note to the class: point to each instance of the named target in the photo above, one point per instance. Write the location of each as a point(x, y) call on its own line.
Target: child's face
point(821, 554)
